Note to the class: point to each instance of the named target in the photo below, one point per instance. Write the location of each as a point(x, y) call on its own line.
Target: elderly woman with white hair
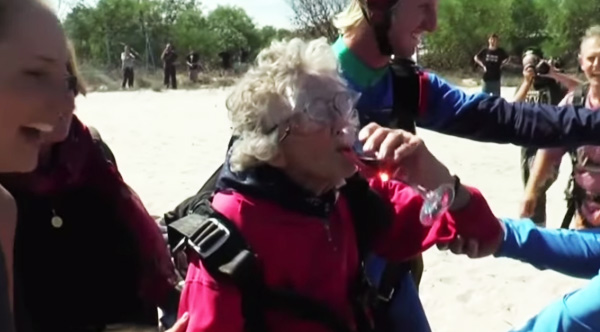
point(292, 190)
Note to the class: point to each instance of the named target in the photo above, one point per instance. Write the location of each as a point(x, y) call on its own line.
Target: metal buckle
point(225, 234)
point(386, 298)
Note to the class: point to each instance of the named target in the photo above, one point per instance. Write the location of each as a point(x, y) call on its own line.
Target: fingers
point(373, 142)
point(388, 143)
point(410, 144)
point(367, 131)
point(457, 246)
point(181, 324)
point(528, 208)
point(460, 246)
point(472, 249)
point(397, 145)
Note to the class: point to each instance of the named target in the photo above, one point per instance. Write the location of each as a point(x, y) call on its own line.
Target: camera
point(535, 60)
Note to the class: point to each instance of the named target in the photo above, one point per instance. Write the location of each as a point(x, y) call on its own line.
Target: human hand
point(528, 205)
point(181, 324)
point(407, 154)
point(474, 248)
point(529, 74)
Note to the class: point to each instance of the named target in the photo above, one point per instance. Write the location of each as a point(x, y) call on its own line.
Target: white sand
point(168, 143)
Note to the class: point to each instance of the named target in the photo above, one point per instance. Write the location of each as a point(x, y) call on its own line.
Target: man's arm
point(565, 80)
point(574, 253)
point(477, 59)
point(485, 118)
point(505, 59)
point(528, 76)
point(545, 161)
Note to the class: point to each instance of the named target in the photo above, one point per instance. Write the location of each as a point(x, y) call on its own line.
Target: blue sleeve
point(575, 253)
point(483, 118)
point(575, 312)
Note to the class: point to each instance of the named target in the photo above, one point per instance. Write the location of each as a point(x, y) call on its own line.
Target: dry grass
point(103, 79)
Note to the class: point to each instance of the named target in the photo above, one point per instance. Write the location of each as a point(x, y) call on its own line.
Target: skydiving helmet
point(379, 15)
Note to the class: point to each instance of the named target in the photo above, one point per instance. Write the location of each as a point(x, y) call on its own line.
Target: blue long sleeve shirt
point(575, 253)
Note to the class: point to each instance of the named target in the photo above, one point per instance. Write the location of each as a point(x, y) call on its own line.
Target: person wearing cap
point(396, 93)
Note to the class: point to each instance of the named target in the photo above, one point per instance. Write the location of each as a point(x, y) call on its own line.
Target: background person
point(492, 59)
point(193, 64)
point(539, 89)
point(127, 65)
point(586, 159)
point(169, 58)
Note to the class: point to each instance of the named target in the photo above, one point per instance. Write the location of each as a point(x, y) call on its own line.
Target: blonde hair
point(73, 69)
point(266, 96)
point(350, 18)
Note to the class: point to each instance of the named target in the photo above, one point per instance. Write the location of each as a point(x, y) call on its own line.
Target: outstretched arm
point(575, 253)
point(492, 119)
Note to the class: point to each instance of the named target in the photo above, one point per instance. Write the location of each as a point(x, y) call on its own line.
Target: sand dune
point(168, 143)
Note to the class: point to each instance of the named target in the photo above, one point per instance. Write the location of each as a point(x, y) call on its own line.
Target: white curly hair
point(267, 94)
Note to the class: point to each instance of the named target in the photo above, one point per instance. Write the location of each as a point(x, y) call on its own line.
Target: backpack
point(574, 194)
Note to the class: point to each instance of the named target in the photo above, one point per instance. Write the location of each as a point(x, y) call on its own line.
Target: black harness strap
point(408, 92)
point(574, 194)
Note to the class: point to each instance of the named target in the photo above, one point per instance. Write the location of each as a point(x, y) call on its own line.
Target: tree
point(315, 17)
point(99, 32)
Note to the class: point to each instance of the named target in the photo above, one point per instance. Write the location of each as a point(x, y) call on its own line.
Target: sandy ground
point(168, 143)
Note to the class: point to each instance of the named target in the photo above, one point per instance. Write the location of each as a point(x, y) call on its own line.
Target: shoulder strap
point(406, 93)
point(372, 215)
point(580, 94)
point(106, 151)
point(226, 255)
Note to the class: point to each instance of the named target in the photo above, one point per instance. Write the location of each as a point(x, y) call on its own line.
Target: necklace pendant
point(56, 222)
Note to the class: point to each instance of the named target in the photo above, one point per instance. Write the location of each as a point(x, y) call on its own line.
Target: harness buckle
point(386, 297)
point(209, 237)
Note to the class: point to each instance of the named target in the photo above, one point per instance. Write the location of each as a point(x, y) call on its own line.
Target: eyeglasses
point(320, 113)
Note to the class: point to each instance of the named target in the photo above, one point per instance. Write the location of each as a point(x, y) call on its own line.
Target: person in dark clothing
point(491, 59)
point(540, 89)
point(169, 58)
point(193, 63)
point(226, 60)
